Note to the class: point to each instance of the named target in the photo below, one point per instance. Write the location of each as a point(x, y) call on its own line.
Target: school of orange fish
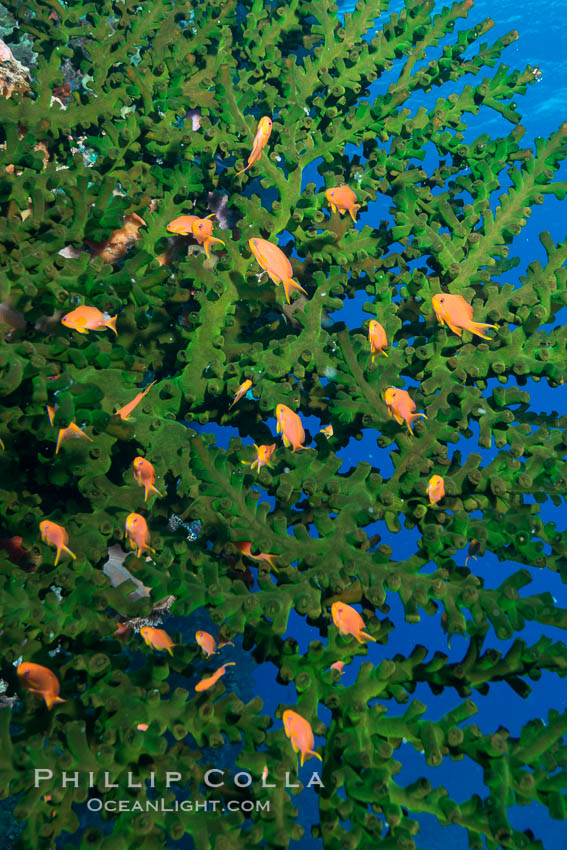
point(451, 310)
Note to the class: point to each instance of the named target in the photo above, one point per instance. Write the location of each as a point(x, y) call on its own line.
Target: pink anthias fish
point(457, 314)
point(260, 141)
point(343, 199)
point(349, 622)
point(145, 475)
point(273, 260)
point(138, 534)
point(200, 229)
point(290, 427)
point(263, 455)
point(401, 406)
point(125, 411)
point(377, 338)
point(241, 391)
point(157, 639)
point(209, 681)
point(435, 489)
point(299, 731)
point(208, 644)
point(55, 535)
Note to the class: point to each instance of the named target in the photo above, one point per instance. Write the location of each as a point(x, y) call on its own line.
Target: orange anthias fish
point(145, 475)
point(263, 455)
point(246, 548)
point(157, 638)
point(260, 141)
point(138, 534)
point(299, 731)
point(338, 665)
point(200, 228)
point(435, 489)
point(456, 313)
point(41, 681)
point(377, 338)
point(401, 406)
point(70, 432)
point(290, 427)
point(208, 644)
point(85, 319)
point(343, 199)
point(241, 391)
point(125, 411)
point(275, 263)
point(327, 431)
point(207, 683)
point(349, 622)
point(55, 535)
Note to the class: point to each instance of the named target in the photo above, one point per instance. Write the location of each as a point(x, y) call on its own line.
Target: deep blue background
point(542, 43)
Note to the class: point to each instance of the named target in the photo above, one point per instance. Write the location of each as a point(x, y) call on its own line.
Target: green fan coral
point(136, 116)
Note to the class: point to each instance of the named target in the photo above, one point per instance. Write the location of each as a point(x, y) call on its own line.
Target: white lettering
point(287, 783)
point(208, 773)
point(72, 779)
point(41, 774)
point(247, 778)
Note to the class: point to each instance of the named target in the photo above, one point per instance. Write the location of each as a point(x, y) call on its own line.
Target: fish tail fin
point(411, 419)
point(155, 490)
point(384, 353)
point(374, 353)
point(243, 169)
point(170, 649)
point(366, 636)
point(313, 753)
point(111, 323)
point(57, 556)
point(59, 436)
point(79, 431)
point(50, 700)
point(72, 554)
point(289, 285)
point(148, 388)
point(269, 559)
point(352, 213)
point(477, 328)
